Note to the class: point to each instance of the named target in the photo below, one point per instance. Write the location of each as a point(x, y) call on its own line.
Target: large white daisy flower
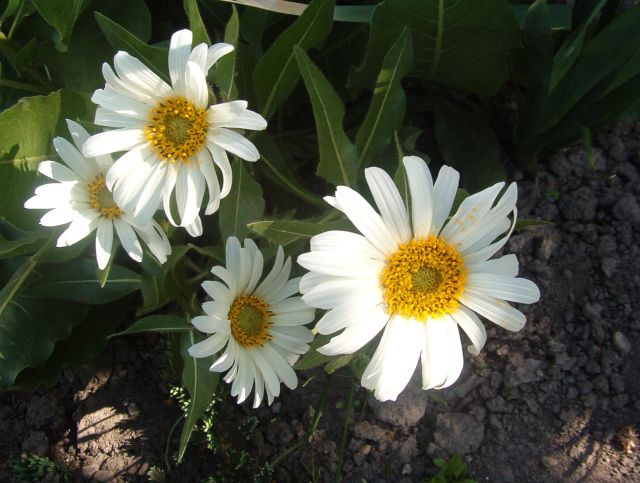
point(172, 139)
point(261, 325)
point(80, 197)
point(415, 276)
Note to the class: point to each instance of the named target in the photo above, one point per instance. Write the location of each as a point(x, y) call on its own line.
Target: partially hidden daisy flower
point(415, 276)
point(261, 326)
point(80, 197)
point(171, 137)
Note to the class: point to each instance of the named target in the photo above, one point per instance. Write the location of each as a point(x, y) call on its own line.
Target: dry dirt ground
point(556, 402)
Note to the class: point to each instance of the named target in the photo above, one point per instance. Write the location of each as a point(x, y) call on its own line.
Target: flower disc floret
point(101, 198)
point(177, 129)
point(249, 317)
point(423, 279)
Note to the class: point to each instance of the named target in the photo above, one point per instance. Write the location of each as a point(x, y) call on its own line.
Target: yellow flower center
point(249, 318)
point(177, 129)
point(101, 198)
point(423, 279)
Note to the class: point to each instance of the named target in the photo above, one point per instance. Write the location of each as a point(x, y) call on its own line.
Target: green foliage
point(462, 44)
point(452, 470)
point(38, 468)
point(243, 205)
point(582, 85)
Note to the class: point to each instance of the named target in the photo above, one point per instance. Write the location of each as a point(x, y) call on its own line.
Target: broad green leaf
point(243, 205)
point(313, 358)
point(572, 47)
point(29, 329)
point(338, 162)
point(80, 67)
point(15, 242)
point(84, 344)
point(78, 281)
point(401, 181)
point(559, 15)
point(27, 131)
point(120, 38)
point(468, 144)
point(338, 362)
point(597, 61)
point(200, 383)
point(284, 232)
point(526, 222)
point(342, 13)
point(224, 72)
point(275, 165)
point(161, 284)
point(276, 74)
point(387, 108)
point(196, 24)
point(10, 8)
point(157, 323)
point(461, 44)
point(61, 15)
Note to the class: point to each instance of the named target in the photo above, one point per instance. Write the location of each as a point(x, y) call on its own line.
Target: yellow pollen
point(177, 129)
point(249, 317)
point(101, 198)
point(423, 279)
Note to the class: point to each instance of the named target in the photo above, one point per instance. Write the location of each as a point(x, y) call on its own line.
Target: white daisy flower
point(80, 197)
point(415, 276)
point(261, 325)
point(172, 139)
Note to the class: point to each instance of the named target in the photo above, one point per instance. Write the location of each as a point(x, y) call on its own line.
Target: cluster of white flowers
point(414, 273)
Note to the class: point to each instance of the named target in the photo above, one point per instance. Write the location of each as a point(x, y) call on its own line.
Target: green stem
point(345, 430)
point(310, 434)
point(166, 448)
point(10, 50)
point(23, 86)
point(16, 20)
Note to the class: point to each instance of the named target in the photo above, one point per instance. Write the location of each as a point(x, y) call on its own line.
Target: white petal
point(169, 185)
point(216, 51)
point(106, 117)
point(497, 311)
point(357, 334)
point(189, 193)
point(234, 143)
point(196, 89)
point(150, 196)
point(444, 194)
point(133, 72)
point(104, 242)
point(125, 89)
point(343, 290)
point(128, 239)
point(275, 272)
point(342, 241)
point(112, 141)
point(344, 264)
point(217, 291)
point(397, 355)
point(199, 56)
point(473, 327)
point(208, 346)
point(442, 358)
point(210, 177)
point(285, 373)
point(78, 133)
point(179, 50)
point(58, 216)
point(235, 114)
point(511, 289)
point(222, 161)
point(156, 239)
point(506, 265)
point(421, 188)
point(109, 98)
point(292, 319)
point(390, 204)
point(489, 251)
point(85, 168)
point(57, 171)
point(79, 228)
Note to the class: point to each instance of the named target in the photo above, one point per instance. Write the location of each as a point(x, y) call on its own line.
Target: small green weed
point(452, 470)
point(36, 468)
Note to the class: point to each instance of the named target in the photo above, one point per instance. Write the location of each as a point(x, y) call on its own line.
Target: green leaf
point(78, 281)
point(224, 71)
point(61, 15)
point(10, 8)
point(597, 61)
point(313, 358)
point(84, 344)
point(275, 165)
point(15, 242)
point(468, 144)
point(276, 74)
point(27, 131)
point(522, 223)
point(80, 67)
point(160, 284)
point(572, 47)
point(120, 38)
point(196, 24)
point(338, 362)
point(387, 108)
point(461, 44)
point(559, 15)
point(284, 232)
point(200, 382)
point(157, 323)
point(243, 205)
point(338, 158)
